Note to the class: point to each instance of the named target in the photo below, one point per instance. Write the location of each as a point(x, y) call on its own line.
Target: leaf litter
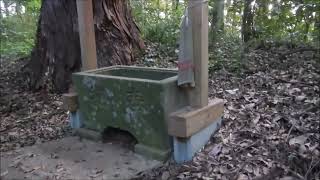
point(27, 117)
point(270, 126)
point(271, 123)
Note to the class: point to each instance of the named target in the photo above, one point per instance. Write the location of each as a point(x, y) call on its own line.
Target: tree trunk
point(262, 17)
point(228, 3)
point(18, 8)
point(306, 31)
point(6, 8)
point(175, 5)
point(317, 29)
point(247, 21)
point(1, 13)
point(57, 54)
point(217, 18)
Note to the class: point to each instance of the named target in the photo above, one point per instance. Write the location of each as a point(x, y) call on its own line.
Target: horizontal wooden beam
point(188, 121)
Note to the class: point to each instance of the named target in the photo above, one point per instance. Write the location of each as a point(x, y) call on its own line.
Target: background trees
point(159, 20)
point(18, 21)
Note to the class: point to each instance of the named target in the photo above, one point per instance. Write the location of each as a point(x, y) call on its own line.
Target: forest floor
point(270, 126)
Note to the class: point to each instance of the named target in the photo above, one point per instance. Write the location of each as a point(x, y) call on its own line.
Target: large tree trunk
point(57, 51)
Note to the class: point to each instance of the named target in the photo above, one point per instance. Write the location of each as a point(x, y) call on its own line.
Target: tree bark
point(317, 29)
point(247, 21)
point(18, 8)
point(175, 5)
point(57, 54)
point(228, 3)
point(261, 17)
point(0, 12)
point(217, 25)
point(6, 8)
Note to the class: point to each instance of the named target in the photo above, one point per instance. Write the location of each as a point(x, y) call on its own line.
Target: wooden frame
point(188, 121)
point(87, 35)
point(199, 18)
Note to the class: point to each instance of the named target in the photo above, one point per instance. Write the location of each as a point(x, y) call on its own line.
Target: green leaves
point(158, 20)
point(18, 30)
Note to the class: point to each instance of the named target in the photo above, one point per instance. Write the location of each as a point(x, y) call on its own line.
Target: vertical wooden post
point(198, 10)
point(86, 34)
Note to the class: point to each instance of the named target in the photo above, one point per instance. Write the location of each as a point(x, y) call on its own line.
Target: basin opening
point(139, 73)
point(120, 137)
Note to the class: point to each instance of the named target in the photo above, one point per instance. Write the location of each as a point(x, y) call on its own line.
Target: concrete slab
point(72, 158)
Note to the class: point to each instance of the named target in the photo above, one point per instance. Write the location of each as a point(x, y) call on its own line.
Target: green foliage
point(292, 20)
point(158, 20)
point(18, 29)
point(226, 53)
point(274, 22)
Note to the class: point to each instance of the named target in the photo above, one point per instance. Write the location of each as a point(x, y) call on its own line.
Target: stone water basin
point(135, 99)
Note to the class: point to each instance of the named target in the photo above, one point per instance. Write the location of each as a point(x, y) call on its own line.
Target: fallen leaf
point(95, 173)
point(165, 175)
point(288, 178)
point(26, 169)
point(256, 119)
point(233, 91)
point(216, 150)
point(242, 177)
point(300, 98)
point(4, 173)
point(298, 140)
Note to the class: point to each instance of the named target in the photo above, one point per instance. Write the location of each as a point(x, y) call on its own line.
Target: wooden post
point(192, 128)
point(86, 34)
point(198, 10)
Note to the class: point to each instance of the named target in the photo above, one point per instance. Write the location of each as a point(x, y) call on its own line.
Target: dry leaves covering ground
point(27, 118)
point(271, 122)
point(270, 130)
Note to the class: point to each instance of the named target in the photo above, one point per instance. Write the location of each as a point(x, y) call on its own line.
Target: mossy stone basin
point(135, 99)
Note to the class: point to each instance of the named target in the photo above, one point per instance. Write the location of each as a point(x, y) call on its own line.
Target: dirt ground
point(72, 158)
